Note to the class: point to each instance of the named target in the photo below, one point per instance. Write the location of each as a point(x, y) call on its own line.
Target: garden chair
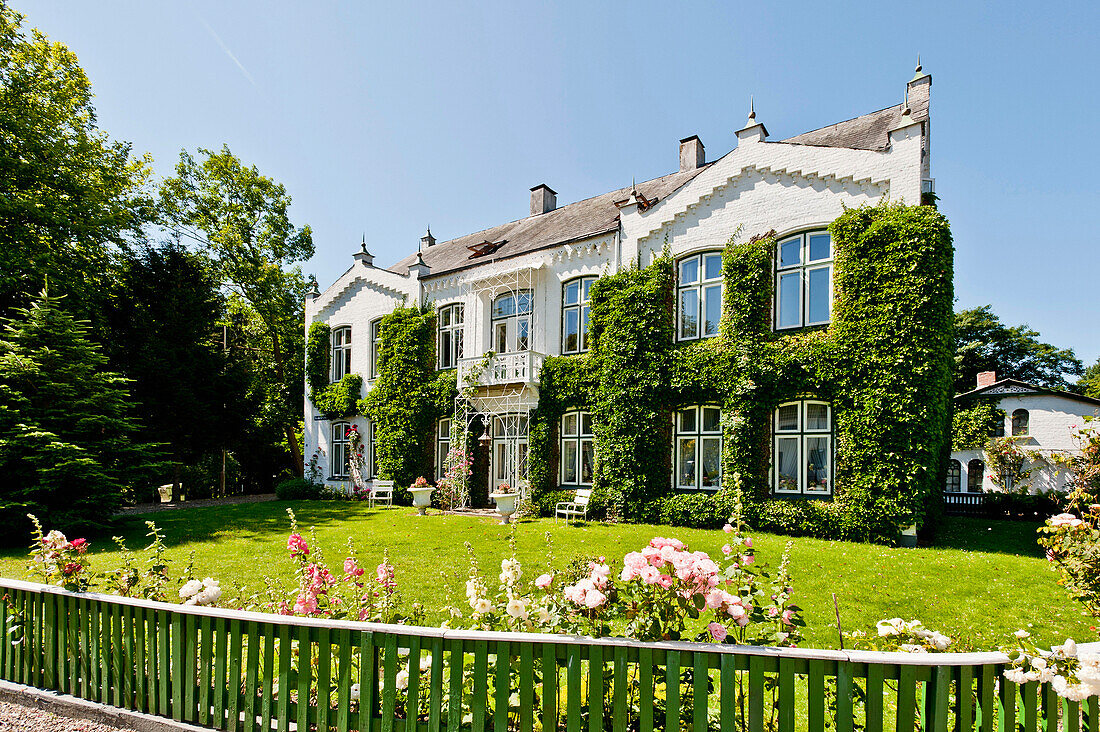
point(381, 493)
point(578, 507)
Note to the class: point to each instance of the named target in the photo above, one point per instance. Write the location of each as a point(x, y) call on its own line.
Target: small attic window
point(485, 247)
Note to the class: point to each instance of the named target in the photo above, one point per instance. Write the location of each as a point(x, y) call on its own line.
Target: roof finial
point(752, 111)
point(918, 69)
point(363, 244)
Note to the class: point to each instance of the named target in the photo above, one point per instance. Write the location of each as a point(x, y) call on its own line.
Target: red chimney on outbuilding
point(985, 378)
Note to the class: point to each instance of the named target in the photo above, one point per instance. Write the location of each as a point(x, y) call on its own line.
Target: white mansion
point(519, 291)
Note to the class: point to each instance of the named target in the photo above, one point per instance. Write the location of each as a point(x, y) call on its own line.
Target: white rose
point(355, 692)
point(191, 588)
point(425, 663)
point(402, 679)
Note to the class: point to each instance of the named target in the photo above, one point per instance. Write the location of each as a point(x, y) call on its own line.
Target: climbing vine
point(336, 400)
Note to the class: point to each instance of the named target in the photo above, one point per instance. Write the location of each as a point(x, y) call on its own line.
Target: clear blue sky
point(385, 118)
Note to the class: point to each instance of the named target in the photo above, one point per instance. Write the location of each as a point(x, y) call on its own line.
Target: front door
point(508, 464)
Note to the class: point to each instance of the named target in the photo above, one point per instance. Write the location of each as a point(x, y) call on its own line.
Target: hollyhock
point(297, 546)
point(305, 605)
point(728, 529)
point(351, 569)
point(517, 608)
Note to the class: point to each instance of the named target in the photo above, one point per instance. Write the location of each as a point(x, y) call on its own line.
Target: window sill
point(783, 496)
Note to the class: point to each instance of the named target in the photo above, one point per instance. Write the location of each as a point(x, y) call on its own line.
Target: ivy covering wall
point(884, 364)
point(337, 400)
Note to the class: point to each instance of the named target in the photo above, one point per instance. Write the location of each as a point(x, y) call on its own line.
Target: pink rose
point(715, 599)
point(650, 575)
point(664, 581)
point(543, 581)
point(81, 545)
point(717, 631)
point(594, 598)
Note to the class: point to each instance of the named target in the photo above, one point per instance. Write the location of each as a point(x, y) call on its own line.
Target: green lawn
point(982, 581)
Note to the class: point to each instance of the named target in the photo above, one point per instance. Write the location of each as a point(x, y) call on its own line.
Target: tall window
point(577, 451)
point(449, 345)
point(1020, 423)
point(340, 450)
point(699, 296)
point(804, 280)
point(442, 447)
point(509, 455)
point(574, 315)
point(698, 447)
point(371, 458)
point(975, 476)
point(954, 476)
point(803, 448)
point(512, 322)
point(375, 343)
point(341, 352)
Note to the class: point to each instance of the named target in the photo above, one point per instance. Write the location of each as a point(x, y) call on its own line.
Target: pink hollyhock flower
point(717, 631)
point(787, 616)
point(305, 605)
point(297, 545)
point(728, 529)
point(727, 549)
point(351, 569)
point(772, 612)
point(748, 559)
point(81, 545)
point(748, 542)
point(594, 598)
point(543, 581)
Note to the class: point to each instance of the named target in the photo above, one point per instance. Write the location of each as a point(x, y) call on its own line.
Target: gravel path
point(230, 501)
point(17, 718)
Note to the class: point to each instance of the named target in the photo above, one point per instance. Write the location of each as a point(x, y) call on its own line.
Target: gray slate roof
point(599, 215)
point(580, 220)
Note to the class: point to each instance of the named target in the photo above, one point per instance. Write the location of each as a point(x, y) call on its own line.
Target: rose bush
point(1072, 541)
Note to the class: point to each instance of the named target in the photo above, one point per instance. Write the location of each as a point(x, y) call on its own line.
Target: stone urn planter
point(506, 505)
point(422, 498)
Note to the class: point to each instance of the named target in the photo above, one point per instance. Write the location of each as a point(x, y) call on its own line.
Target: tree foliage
point(69, 195)
point(984, 343)
point(242, 220)
point(1089, 383)
point(68, 451)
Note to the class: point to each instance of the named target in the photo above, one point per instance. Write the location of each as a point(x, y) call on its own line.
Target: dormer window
point(699, 296)
point(341, 352)
point(804, 280)
point(512, 322)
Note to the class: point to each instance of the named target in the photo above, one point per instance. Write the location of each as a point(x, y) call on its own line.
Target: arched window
point(341, 352)
point(449, 343)
point(375, 344)
point(574, 314)
point(698, 448)
point(1020, 423)
point(512, 322)
point(804, 280)
point(699, 296)
point(803, 462)
point(975, 476)
point(577, 449)
point(339, 450)
point(954, 476)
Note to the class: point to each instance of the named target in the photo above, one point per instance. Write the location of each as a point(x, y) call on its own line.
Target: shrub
point(1022, 506)
point(298, 489)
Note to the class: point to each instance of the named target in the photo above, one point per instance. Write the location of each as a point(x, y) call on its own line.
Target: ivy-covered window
point(574, 314)
point(375, 343)
point(341, 352)
point(370, 460)
point(804, 280)
point(339, 449)
point(699, 296)
point(697, 445)
point(975, 476)
point(1020, 423)
point(577, 451)
point(449, 343)
point(954, 476)
point(512, 322)
point(442, 446)
point(803, 448)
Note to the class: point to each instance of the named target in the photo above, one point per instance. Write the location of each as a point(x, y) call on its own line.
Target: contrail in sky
point(226, 49)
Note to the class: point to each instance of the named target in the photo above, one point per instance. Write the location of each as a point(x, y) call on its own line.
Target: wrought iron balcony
point(519, 367)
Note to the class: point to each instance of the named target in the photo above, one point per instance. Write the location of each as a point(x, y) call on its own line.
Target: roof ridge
point(843, 121)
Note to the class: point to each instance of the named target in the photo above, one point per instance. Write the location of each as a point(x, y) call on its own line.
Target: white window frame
point(953, 466)
point(341, 353)
point(680, 433)
point(802, 269)
point(1026, 422)
point(581, 309)
point(579, 438)
point(442, 446)
point(448, 358)
point(375, 345)
point(512, 322)
point(516, 460)
point(803, 434)
point(700, 286)
point(339, 450)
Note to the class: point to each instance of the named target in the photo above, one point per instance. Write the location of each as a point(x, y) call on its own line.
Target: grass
point(982, 580)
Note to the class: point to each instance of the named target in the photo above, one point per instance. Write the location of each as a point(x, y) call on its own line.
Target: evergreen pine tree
point(67, 452)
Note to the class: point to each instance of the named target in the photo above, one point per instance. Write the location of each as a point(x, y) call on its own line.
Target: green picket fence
point(251, 671)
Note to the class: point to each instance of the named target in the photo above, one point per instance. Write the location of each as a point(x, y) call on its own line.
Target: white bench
point(577, 508)
point(381, 493)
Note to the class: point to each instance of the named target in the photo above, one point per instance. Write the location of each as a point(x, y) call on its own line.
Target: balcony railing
point(520, 367)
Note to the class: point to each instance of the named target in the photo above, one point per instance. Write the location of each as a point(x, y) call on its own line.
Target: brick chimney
point(692, 154)
point(986, 378)
point(544, 199)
